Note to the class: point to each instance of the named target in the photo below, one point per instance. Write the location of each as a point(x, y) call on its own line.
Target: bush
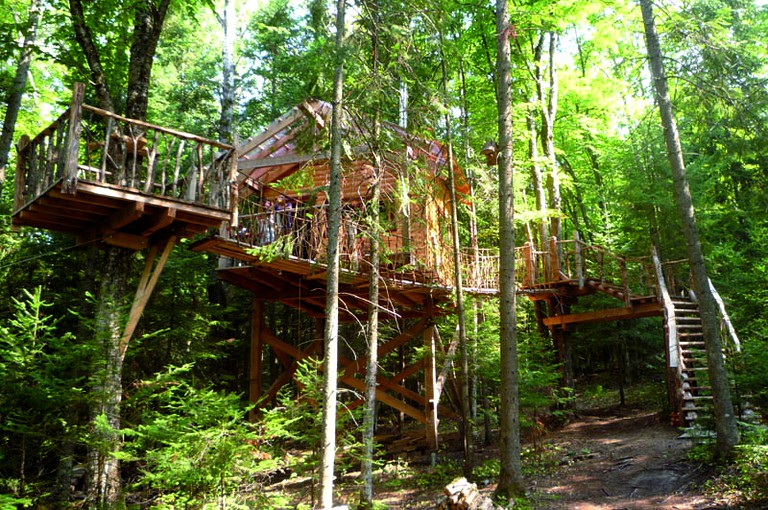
point(194, 447)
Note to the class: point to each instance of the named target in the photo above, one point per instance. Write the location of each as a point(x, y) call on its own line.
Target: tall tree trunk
point(229, 24)
point(147, 27)
point(330, 382)
point(537, 180)
point(104, 481)
point(510, 476)
point(725, 420)
point(372, 363)
point(473, 236)
point(85, 41)
point(104, 469)
point(457, 280)
point(548, 101)
point(17, 90)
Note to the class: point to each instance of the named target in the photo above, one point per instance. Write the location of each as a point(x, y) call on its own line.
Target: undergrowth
point(747, 475)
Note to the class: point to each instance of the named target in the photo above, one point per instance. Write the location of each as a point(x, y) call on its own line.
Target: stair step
point(691, 344)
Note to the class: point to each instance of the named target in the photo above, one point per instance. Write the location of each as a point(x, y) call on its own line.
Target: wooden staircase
point(694, 390)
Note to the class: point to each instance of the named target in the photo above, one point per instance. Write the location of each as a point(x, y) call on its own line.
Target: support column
point(430, 382)
point(257, 324)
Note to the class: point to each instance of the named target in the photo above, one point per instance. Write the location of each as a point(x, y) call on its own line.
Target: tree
point(372, 363)
point(17, 90)
point(465, 396)
point(148, 18)
point(725, 420)
point(330, 376)
point(510, 476)
point(229, 25)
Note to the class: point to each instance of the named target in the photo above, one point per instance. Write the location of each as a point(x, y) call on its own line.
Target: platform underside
point(117, 216)
point(569, 290)
point(301, 284)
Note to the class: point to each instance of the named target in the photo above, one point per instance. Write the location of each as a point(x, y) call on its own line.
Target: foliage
point(39, 385)
point(193, 446)
point(747, 474)
point(293, 427)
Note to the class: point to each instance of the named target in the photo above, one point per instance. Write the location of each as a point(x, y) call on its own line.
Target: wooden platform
point(115, 215)
point(300, 283)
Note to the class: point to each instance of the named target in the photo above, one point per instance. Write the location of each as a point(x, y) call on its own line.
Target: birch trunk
point(17, 91)
point(510, 476)
point(548, 100)
point(372, 363)
point(228, 23)
point(725, 420)
point(458, 284)
point(330, 382)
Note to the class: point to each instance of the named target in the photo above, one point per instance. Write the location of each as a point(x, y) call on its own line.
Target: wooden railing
point(89, 144)
point(575, 261)
point(290, 229)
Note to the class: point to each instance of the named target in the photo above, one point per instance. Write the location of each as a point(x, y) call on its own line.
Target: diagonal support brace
point(147, 284)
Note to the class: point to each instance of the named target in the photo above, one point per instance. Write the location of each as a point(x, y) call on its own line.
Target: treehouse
point(277, 247)
point(283, 177)
point(262, 207)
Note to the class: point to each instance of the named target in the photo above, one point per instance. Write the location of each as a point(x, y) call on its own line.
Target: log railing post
point(20, 181)
point(554, 260)
point(579, 258)
point(69, 173)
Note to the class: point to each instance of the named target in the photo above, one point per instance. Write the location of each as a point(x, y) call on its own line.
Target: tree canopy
point(588, 156)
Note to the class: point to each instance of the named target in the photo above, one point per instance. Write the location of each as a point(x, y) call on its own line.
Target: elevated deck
point(568, 269)
point(103, 177)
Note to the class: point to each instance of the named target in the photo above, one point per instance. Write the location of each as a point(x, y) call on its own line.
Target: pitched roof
point(301, 136)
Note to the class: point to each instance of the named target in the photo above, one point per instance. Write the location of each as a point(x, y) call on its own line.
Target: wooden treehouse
point(277, 250)
point(262, 207)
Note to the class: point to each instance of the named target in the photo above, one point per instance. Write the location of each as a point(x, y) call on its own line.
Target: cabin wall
point(416, 231)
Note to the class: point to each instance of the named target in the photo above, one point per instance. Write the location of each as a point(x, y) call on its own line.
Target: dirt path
point(613, 459)
point(622, 459)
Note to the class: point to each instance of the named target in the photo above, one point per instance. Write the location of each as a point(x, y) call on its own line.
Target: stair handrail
point(669, 311)
point(725, 318)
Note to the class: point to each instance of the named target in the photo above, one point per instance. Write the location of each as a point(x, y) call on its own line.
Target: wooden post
point(233, 191)
point(579, 259)
point(554, 260)
point(146, 285)
point(625, 281)
point(430, 403)
point(69, 174)
point(257, 324)
point(20, 180)
point(530, 265)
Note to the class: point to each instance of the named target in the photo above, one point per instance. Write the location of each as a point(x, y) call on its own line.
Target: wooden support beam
point(430, 384)
point(611, 314)
point(254, 386)
point(160, 221)
point(147, 284)
point(387, 399)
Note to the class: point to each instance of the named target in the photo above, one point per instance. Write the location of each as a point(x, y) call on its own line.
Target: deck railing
point(288, 229)
point(89, 144)
point(576, 261)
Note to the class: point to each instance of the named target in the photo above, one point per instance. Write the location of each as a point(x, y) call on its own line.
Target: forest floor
point(611, 458)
